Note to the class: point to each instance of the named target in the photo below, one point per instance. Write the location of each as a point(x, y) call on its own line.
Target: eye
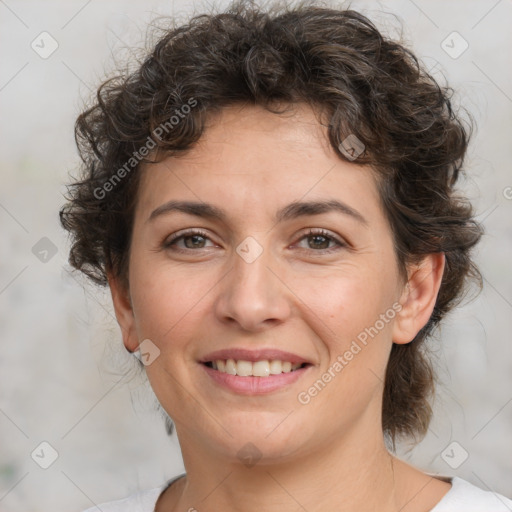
point(193, 239)
point(319, 240)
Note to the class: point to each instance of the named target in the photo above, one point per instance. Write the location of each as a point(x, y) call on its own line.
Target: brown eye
point(319, 240)
point(192, 240)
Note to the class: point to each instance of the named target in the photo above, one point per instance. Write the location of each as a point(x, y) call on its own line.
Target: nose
point(253, 294)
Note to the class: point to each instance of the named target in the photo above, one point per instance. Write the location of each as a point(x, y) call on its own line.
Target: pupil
point(194, 238)
point(315, 237)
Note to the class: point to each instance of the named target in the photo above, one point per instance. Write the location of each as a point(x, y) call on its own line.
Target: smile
point(262, 368)
point(254, 378)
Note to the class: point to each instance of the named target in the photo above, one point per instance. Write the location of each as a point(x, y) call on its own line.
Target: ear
point(124, 312)
point(419, 297)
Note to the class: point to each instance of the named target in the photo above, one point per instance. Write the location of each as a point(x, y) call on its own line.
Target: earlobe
point(419, 297)
point(124, 312)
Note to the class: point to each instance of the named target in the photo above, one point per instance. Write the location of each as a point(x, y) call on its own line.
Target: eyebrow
point(291, 211)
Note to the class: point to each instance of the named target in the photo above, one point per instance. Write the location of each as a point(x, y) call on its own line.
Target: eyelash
point(168, 243)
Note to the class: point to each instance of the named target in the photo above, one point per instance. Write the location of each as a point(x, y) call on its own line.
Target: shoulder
point(466, 497)
point(143, 501)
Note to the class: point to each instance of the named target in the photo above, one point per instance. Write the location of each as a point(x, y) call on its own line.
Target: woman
point(270, 198)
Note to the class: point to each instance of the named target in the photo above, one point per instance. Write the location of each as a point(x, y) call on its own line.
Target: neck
point(347, 474)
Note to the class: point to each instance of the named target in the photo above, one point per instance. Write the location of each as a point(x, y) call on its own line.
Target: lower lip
point(255, 385)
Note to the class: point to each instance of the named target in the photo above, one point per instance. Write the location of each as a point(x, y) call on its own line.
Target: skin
point(328, 454)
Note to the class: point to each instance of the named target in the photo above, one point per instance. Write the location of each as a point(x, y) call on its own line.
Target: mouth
point(254, 378)
point(263, 369)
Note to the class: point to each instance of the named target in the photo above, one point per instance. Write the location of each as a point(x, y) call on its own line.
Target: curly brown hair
point(362, 83)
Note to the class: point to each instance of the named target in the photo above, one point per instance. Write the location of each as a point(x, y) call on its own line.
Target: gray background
point(64, 376)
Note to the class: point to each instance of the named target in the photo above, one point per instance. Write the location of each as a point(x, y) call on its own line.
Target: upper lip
point(253, 355)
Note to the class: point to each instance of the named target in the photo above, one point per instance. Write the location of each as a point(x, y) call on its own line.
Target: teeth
point(275, 367)
point(260, 368)
point(231, 367)
point(243, 368)
point(256, 369)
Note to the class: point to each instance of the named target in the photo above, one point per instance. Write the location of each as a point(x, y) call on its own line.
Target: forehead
point(249, 155)
point(298, 122)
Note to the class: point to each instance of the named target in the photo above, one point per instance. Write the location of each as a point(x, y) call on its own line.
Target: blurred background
point(77, 425)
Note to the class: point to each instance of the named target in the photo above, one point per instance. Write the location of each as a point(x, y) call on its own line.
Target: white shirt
point(462, 497)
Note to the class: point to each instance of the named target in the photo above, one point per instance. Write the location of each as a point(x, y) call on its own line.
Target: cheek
point(168, 310)
point(346, 311)
point(165, 300)
point(346, 315)
point(347, 300)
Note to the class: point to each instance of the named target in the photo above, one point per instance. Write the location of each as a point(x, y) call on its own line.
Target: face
point(321, 284)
